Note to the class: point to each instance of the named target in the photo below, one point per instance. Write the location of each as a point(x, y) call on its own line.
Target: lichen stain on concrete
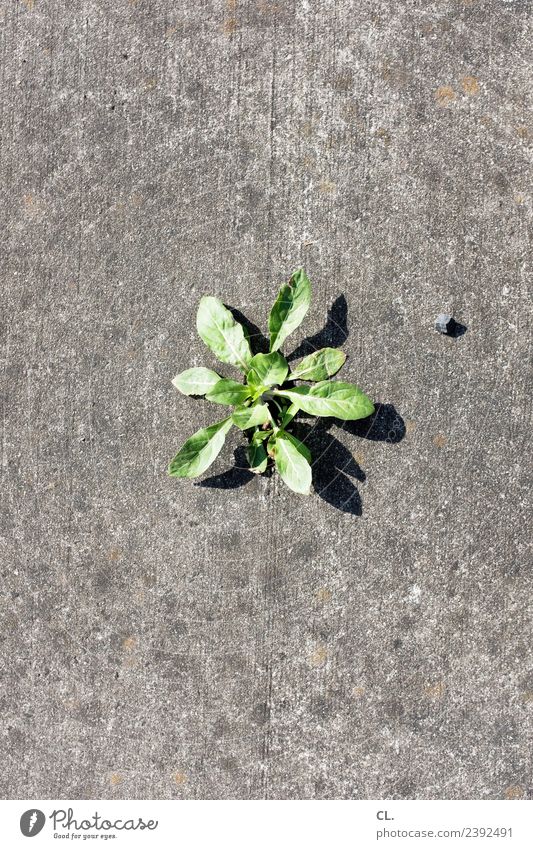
point(326, 187)
point(267, 7)
point(319, 657)
point(410, 426)
point(115, 779)
point(29, 4)
point(514, 792)
point(522, 132)
point(31, 205)
point(440, 440)
point(444, 95)
point(114, 554)
point(229, 26)
point(180, 778)
point(343, 82)
point(435, 691)
point(470, 85)
point(383, 135)
point(129, 643)
point(393, 75)
point(349, 111)
point(358, 692)
point(323, 595)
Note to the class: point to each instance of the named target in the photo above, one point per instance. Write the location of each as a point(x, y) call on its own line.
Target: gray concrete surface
point(162, 639)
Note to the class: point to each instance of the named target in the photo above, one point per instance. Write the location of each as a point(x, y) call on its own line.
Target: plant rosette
point(265, 404)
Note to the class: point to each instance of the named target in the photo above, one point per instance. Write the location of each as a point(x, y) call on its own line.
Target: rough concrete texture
point(164, 639)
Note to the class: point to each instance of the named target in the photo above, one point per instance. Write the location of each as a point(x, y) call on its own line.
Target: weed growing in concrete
point(271, 395)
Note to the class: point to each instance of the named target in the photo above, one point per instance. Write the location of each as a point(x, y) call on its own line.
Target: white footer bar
point(268, 824)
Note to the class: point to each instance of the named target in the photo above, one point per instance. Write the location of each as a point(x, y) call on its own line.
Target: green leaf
point(245, 417)
point(289, 309)
point(267, 370)
point(200, 450)
point(260, 436)
point(293, 467)
point(330, 398)
point(220, 332)
point(299, 445)
point(257, 458)
point(289, 414)
point(196, 381)
point(227, 391)
point(319, 365)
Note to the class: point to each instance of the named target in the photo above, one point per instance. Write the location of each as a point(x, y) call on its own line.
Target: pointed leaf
point(220, 332)
point(200, 450)
point(330, 398)
point(289, 309)
point(319, 365)
point(293, 467)
point(289, 414)
point(227, 391)
point(299, 445)
point(267, 370)
point(196, 381)
point(260, 436)
point(245, 417)
point(257, 458)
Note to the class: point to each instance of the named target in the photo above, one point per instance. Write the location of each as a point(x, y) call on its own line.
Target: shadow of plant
point(333, 334)
point(334, 468)
point(385, 425)
point(259, 342)
point(235, 477)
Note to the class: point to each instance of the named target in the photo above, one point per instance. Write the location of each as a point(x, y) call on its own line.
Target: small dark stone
point(445, 324)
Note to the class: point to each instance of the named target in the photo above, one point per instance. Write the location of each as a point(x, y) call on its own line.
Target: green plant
point(268, 400)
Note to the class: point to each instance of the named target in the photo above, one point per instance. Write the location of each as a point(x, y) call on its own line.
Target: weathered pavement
point(164, 639)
